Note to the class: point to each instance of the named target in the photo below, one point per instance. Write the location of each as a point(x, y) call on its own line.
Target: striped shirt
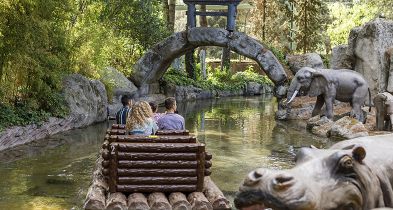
point(122, 114)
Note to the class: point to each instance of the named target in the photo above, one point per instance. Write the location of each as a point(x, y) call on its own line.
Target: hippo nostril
point(253, 178)
point(282, 182)
point(257, 174)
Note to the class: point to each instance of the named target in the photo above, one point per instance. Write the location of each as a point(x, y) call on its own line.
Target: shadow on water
point(240, 132)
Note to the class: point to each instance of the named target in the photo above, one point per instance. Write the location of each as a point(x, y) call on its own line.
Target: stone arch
point(153, 64)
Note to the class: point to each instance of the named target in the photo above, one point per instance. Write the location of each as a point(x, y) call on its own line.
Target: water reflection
point(241, 133)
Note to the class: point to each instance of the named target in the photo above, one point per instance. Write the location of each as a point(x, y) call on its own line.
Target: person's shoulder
point(179, 116)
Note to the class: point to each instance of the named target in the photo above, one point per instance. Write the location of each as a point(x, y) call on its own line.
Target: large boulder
point(121, 86)
point(347, 128)
point(297, 62)
point(368, 45)
point(340, 59)
point(87, 100)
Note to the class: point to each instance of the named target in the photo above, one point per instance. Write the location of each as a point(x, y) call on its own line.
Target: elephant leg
point(329, 107)
point(318, 106)
point(391, 122)
point(379, 102)
point(359, 97)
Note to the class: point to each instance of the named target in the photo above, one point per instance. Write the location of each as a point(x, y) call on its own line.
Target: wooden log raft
point(151, 139)
point(137, 201)
point(198, 201)
point(158, 201)
point(179, 201)
point(214, 195)
point(95, 198)
point(116, 201)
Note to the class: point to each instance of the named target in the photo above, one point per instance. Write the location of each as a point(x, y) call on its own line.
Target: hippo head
point(322, 179)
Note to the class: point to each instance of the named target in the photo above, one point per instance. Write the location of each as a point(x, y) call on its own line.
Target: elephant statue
point(329, 85)
point(384, 105)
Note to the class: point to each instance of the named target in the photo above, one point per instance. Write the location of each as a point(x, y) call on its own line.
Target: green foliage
point(345, 17)
point(140, 20)
point(311, 20)
point(217, 79)
point(34, 56)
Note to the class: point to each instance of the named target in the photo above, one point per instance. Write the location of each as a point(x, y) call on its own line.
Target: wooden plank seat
point(146, 166)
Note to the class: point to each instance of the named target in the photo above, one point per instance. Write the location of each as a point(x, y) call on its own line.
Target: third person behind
point(170, 120)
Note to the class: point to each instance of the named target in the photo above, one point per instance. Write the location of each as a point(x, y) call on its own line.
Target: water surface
point(241, 133)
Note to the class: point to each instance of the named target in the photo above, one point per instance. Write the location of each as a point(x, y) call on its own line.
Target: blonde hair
point(141, 111)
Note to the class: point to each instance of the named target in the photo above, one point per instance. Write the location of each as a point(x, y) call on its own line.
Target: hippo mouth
point(258, 200)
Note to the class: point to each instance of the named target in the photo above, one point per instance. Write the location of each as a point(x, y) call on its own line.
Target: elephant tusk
point(293, 96)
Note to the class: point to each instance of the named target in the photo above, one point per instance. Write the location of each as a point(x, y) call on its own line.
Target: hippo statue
point(350, 175)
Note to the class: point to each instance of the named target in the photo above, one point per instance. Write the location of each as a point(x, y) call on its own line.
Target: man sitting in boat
point(122, 114)
point(171, 120)
point(140, 121)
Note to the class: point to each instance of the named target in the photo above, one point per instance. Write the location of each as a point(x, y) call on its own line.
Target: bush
point(217, 79)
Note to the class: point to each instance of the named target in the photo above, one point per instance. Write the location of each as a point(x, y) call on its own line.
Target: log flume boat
point(169, 170)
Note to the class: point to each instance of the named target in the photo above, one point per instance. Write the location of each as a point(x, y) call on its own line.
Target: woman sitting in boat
point(140, 121)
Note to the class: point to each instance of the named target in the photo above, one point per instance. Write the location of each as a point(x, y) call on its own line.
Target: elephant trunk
point(293, 90)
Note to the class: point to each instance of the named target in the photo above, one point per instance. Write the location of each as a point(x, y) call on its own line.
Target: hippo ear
point(359, 153)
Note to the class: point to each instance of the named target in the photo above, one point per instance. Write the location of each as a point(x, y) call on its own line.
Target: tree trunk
point(226, 59)
point(165, 9)
point(305, 29)
point(171, 15)
point(264, 21)
point(190, 64)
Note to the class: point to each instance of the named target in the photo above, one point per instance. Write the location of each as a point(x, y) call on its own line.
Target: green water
point(241, 133)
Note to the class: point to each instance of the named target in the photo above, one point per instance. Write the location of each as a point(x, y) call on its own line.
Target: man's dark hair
point(153, 106)
point(170, 102)
point(125, 99)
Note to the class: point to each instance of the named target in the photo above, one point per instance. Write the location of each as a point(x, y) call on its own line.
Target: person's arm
point(184, 124)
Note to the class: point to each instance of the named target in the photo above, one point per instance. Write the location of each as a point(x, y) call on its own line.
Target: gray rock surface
point(347, 128)
point(297, 62)
point(87, 101)
point(121, 86)
point(254, 88)
point(340, 59)
point(368, 45)
point(150, 68)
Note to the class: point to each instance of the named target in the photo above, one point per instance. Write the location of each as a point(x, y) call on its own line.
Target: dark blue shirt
point(122, 114)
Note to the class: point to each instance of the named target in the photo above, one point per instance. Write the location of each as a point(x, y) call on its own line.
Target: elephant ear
point(318, 84)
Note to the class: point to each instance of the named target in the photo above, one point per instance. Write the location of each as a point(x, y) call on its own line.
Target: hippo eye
point(346, 162)
point(300, 78)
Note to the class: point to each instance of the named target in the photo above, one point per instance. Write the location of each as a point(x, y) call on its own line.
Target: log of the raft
point(116, 201)
point(214, 195)
point(208, 172)
point(198, 201)
point(179, 201)
point(172, 132)
point(154, 139)
point(118, 126)
point(156, 156)
point(208, 156)
point(155, 188)
point(95, 199)
point(137, 201)
point(158, 172)
point(116, 131)
point(164, 164)
point(154, 147)
point(208, 164)
point(156, 180)
point(158, 201)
